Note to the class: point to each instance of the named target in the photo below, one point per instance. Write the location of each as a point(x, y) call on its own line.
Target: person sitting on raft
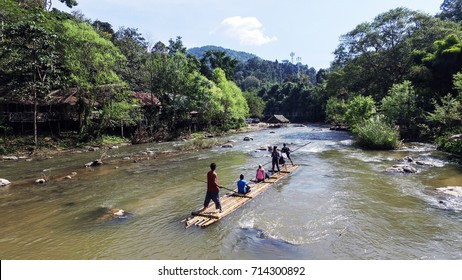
point(261, 174)
point(242, 186)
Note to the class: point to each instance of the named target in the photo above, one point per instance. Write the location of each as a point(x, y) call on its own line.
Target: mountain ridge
point(238, 55)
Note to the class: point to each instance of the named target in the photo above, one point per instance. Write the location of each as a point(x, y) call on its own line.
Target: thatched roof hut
point(278, 120)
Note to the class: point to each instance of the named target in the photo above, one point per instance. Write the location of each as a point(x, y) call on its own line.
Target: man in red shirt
point(213, 189)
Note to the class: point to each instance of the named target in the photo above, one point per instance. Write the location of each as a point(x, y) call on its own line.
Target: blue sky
point(268, 28)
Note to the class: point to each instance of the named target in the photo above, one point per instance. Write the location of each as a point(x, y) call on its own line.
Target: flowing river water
point(340, 204)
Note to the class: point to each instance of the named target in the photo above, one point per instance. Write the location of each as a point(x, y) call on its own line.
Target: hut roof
point(277, 119)
point(147, 99)
point(68, 96)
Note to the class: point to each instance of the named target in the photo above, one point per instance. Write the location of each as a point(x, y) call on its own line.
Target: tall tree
point(93, 61)
point(45, 4)
point(444, 63)
point(235, 106)
point(451, 10)
point(376, 55)
point(31, 59)
point(134, 47)
point(218, 59)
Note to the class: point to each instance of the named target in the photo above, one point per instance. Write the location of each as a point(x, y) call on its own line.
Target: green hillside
point(238, 55)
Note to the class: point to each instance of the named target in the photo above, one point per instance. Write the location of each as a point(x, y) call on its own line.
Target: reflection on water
point(339, 205)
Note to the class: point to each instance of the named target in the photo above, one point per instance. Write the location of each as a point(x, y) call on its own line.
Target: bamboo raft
point(233, 200)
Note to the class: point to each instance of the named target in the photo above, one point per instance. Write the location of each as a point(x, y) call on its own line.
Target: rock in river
point(105, 214)
point(4, 182)
point(401, 168)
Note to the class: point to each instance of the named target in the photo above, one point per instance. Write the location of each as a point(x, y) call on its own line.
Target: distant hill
point(238, 55)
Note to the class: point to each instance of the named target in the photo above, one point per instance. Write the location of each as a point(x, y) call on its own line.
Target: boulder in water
point(40, 181)
point(4, 182)
point(401, 168)
point(94, 163)
point(227, 145)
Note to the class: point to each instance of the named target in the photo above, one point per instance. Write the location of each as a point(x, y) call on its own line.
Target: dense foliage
point(43, 51)
point(409, 63)
point(396, 77)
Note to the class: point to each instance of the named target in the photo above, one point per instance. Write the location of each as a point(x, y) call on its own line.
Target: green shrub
point(113, 140)
point(335, 110)
point(360, 108)
point(449, 146)
point(375, 134)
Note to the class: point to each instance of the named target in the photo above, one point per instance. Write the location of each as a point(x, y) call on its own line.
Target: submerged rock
point(105, 214)
point(227, 145)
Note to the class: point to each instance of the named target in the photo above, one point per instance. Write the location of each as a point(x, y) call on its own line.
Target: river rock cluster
point(406, 166)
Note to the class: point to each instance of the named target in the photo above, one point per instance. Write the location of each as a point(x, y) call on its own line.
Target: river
point(340, 204)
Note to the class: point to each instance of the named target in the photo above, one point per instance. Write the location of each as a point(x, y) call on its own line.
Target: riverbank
point(50, 147)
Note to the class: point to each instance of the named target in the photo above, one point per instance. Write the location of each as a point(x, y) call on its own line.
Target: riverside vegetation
point(398, 77)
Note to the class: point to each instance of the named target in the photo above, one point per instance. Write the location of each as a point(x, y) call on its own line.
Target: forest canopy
point(400, 71)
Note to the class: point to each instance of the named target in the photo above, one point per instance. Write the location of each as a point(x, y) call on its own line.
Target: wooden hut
point(278, 121)
point(56, 106)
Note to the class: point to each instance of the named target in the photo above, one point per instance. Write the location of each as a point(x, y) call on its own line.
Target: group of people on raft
point(213, 189)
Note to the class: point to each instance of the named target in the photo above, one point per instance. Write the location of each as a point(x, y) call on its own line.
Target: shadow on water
point(255, 243)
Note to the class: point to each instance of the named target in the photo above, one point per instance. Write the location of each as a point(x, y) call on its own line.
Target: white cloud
point(248, 30)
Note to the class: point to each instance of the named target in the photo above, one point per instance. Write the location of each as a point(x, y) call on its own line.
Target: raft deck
point(233, 200)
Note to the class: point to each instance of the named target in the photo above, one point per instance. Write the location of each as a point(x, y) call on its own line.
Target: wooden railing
point(41, 117)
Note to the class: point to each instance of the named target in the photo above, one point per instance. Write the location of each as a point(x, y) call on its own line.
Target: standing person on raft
point(286, 150)
point(213, 189)
point(275, 156)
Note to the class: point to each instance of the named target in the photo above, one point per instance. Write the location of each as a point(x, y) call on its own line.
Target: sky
point(270, 29)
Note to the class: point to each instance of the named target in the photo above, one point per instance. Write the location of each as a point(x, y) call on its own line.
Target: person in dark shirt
point(213, 189)
point(285, 149)
point(275, 156)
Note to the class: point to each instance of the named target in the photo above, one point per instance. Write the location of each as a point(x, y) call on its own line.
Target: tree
point(360, 108)
point(250, 83)
point(451, 10)
point(134, 47)
point(104, 29)
point(93, 61)
point(446, 118)
point(376, 55)
point(335, 111)
point(400, 107)
point(256, 104)
point(235, 106)
point(45, 4)
point(444, 62)
point(176, 46)
point(218, 59)
point(31, 58)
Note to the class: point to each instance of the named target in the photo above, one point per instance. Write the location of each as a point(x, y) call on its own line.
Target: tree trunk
point(35, 116)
